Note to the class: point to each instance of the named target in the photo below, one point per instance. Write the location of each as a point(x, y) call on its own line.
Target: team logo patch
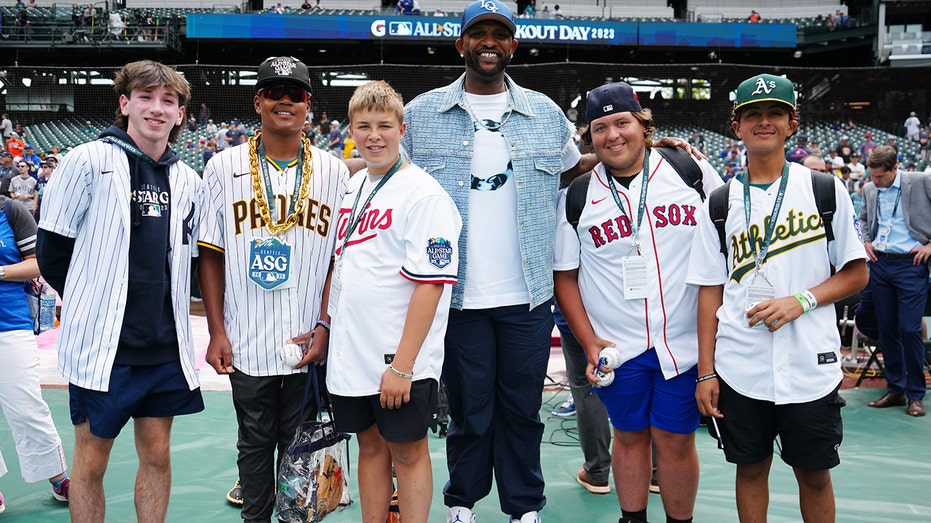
point(763, 87)
point(439, 252)
point(283, 66)
point(607, 108)
point(269, 262)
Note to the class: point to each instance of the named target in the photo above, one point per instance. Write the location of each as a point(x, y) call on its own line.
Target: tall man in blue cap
point(768, 359)
point(499, 150)
point(620, 282)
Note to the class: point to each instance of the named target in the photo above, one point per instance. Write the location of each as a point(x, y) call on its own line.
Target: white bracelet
point(399, 373)
point(812, 302)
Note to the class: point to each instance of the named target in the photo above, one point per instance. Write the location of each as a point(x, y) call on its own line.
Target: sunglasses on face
point(277, 92)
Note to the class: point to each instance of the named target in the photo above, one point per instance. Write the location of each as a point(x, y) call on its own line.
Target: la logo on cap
point(489, 6)
point(283, 66)
point(607, 108)
point(762, 87)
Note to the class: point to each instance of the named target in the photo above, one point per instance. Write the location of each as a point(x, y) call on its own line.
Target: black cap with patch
point(283, 69)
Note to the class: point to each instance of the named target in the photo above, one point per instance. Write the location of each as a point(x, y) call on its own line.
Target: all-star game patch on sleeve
point(432, 241)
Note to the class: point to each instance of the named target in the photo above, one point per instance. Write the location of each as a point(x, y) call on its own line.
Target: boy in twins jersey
point(266, 245)
point(620, 281)
point(397, 256)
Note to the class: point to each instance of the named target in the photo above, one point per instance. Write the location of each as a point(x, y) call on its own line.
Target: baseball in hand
point(604, 378)
point(291, 354)
point(610, 358)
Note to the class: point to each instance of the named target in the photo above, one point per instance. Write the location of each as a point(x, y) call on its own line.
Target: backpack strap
point(575, 199)
point(825, 199)
point(717, 211)
point(688, 170)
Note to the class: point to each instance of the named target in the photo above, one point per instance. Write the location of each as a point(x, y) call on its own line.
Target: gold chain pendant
point(291, 220)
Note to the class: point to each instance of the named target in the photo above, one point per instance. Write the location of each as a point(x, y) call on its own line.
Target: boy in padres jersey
point(119, 222)
point(266, 241)
point(768, 353)
point(620, 281)
point(397, 257)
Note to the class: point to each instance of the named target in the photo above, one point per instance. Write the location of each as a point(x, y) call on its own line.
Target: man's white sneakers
point(459, 515)
point(530, 517)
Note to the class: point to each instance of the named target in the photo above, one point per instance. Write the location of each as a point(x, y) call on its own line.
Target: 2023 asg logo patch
point(439, 252)
point(269, 262)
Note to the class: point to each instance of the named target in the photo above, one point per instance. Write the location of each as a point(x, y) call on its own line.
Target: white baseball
point(291, 354)
point(604, 378)
point(610, 358)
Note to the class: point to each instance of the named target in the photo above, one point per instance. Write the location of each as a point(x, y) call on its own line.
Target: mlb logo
point(607, 108)
point(401, 28)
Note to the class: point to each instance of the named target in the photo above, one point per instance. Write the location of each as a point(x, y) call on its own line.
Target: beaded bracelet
point(321, 323)
point(399, 373)
point(706, 377)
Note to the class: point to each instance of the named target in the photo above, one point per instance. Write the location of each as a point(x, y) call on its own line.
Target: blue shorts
point(149, 391)
point(641, 397)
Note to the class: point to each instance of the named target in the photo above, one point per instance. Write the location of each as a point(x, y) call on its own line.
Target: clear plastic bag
point(313, 479)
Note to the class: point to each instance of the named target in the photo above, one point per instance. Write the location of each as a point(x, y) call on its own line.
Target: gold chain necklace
point(291, 220)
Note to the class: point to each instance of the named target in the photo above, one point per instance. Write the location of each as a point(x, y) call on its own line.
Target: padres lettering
point(316, 216)
point(663, 216)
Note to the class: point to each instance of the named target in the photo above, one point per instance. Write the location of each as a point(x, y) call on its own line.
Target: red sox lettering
point(663, 216)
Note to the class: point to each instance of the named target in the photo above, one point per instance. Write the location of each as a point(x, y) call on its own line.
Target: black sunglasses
point(277, 92)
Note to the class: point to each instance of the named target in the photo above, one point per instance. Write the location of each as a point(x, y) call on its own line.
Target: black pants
point(267, 411)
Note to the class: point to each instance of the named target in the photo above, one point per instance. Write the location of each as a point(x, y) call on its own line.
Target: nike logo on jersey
point(596, 202)
point(239, 175)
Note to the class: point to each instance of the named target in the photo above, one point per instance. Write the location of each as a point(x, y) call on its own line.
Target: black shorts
point(404, 425)
point(810, 432)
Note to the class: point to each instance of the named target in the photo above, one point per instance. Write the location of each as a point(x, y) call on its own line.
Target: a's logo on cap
point(607, 108)
point(283, 66)
point(763, 87)
point(489, 6)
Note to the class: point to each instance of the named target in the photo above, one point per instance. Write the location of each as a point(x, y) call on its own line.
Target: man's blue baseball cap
point(487, 10)
point(616, 97)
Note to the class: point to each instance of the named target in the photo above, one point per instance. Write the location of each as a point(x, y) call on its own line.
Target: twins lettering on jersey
point(371, 221)
point(663, 216)
point(799, 229)
point(316, 216)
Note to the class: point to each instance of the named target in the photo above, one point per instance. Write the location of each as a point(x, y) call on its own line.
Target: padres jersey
point(799, 362)
point(88, 199)
point(407, 236)
point(274, 284)
point(666, 318)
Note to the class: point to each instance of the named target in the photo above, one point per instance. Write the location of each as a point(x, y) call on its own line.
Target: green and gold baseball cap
point(765, 88)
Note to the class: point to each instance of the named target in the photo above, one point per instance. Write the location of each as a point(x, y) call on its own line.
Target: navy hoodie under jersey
point(148, 335)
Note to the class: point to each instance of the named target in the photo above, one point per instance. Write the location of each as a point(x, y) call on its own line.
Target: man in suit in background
point(896, 222)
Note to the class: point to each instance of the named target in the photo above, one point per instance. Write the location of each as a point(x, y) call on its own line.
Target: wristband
point(706, 377)
point(803, 301)
point(321, 323)
point(399, 373)
point(812, 301)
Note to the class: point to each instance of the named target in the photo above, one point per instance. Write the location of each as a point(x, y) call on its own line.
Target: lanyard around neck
point(130, 148)
point(269, 192)
point(643, 197)
point(770, 227)
point(353, 221)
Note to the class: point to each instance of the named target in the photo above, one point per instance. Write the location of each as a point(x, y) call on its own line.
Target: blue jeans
point(900, 290)
point(494, 370)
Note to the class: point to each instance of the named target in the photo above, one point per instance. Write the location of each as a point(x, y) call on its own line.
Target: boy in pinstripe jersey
point(266, 243)
point(116, 240)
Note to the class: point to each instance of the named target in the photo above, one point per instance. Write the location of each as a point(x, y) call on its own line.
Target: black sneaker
point(234, 496)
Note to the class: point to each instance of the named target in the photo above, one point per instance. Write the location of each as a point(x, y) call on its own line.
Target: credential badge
point(440, 252)
point(269, 262)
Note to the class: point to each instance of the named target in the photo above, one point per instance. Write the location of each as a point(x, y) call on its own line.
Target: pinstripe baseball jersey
point(257, 319)
point(666, 318)
point(408, 235)
point(88, 199)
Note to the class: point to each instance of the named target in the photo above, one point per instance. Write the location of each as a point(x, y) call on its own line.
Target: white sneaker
point(459, 515)
point(530, 517)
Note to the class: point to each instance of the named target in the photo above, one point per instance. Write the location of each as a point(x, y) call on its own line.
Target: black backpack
point(687, 169)
point(825, 199)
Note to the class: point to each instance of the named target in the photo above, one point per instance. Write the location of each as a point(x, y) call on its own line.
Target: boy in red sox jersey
point(639, 216)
